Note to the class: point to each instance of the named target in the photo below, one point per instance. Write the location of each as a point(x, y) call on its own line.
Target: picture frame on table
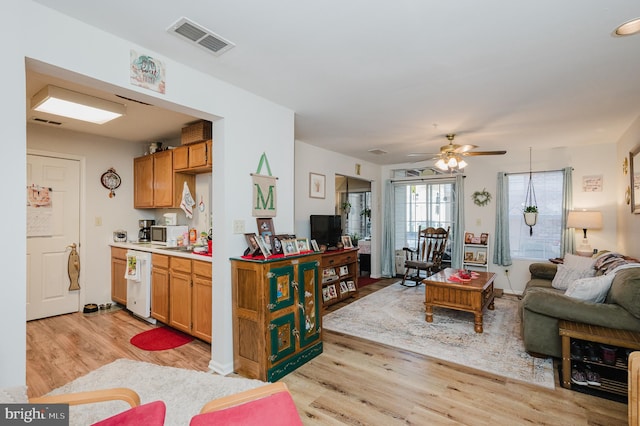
point(303, 244)
point(343, 287)
point(475, 240)
point(351, 285)
point(325, 294)
point(266, 250)
point(289, 247)
point(333, 293)
point(468, 236)
point(484, 238)
point(481, 257)
point(265, 225)
point(276, 244)
point(252, 243)
point(314, 245)
point(344, 270)
point(317, 185)
point(468, 256)
point(346, 241)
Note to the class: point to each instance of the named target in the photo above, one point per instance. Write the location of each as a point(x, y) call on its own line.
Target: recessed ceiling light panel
point(67, 103)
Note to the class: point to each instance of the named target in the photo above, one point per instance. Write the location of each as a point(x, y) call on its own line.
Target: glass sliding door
point(423, 204)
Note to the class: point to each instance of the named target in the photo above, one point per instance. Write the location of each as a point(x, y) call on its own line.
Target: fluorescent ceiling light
point(58, 101)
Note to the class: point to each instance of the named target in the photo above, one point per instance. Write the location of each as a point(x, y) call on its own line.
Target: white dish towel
point(132, 272)
point(187, 202)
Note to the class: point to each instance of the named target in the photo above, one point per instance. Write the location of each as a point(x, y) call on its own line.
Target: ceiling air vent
point(200, 36)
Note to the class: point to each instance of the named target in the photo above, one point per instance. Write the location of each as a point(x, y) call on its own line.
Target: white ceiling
point(399, 75)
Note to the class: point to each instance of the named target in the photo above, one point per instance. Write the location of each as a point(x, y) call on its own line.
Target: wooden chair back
point(634, 386)
point(432, 243)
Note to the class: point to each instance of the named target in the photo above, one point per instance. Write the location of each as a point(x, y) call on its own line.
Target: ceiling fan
point(451, 156)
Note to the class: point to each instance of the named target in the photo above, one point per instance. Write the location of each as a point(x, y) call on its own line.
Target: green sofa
point(542, 307)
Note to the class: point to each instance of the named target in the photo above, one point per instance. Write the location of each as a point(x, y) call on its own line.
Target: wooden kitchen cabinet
point(193, 158)
point(180, 293)
point(201, 300)
point(118, 281)
point(276, 315)
point(156, 184)
point(160, 287)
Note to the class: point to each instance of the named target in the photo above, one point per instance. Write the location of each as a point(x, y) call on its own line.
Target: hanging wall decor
point(264, 190)
point(111, 180)
point(530, 204)
point(481, 198)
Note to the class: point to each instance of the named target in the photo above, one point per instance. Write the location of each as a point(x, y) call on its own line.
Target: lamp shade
point(583, 219)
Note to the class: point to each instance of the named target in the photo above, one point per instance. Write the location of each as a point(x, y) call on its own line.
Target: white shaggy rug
point(395, 316)
point(183, 391)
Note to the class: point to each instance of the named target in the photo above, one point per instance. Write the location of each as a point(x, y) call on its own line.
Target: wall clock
point(481, 198)
point(110, 180)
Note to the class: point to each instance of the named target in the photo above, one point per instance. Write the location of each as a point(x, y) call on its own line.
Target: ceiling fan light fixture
point(628, 28)
point(452, 163)
point(441, 164)
point(462, 164)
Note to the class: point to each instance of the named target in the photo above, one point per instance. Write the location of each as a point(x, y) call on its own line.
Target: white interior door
point(53, 224)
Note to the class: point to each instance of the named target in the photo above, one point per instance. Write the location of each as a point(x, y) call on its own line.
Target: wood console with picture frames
point(277, 318)
point(339, 271)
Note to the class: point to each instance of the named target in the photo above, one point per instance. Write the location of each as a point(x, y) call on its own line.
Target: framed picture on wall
point(317, 185)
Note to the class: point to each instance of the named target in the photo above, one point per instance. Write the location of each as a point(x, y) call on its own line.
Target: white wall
point(628, 223)
point(587, 160)
point(311, 159)
point(250, 126)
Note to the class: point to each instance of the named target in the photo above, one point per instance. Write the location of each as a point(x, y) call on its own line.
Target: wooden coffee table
point(473, 296)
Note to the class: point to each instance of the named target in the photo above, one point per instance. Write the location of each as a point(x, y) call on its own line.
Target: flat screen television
point(326, 229)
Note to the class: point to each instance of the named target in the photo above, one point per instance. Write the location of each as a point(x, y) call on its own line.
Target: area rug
point(160, 339)
point(183, 391)
point(363, 281)
point(395, 316)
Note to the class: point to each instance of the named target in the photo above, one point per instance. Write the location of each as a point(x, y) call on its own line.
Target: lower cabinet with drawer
point(339, 275)
point(276, 315)
point(181, 294)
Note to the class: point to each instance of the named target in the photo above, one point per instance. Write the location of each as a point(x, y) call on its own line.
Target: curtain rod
point(534, 171)
point(422, 179)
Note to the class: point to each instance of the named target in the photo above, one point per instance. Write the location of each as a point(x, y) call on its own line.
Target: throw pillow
point(566, 276)
point(580, 262)
point(591, 289)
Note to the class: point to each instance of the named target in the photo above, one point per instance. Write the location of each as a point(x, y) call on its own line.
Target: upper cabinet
point(155, 182)
point(193, 158)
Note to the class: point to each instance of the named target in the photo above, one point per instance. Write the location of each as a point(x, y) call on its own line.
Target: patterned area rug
point(395, 316)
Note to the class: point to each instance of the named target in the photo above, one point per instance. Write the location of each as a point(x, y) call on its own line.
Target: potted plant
point(346, 207)
point(530, 216)
point(366, 212)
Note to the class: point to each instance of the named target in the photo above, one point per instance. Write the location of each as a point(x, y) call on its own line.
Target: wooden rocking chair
point(427, 256)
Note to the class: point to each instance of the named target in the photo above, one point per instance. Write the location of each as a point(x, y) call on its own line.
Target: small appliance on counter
point(119, 236)
point(168, 234)
point(144, 234)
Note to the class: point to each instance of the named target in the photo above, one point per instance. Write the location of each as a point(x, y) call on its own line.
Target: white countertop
point(161, 249)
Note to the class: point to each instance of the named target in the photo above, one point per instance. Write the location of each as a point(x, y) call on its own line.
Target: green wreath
point(481, 198)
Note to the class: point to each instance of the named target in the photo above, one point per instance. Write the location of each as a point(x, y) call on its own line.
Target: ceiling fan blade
point(472, 153)
point(422, 154)
point(459, 149)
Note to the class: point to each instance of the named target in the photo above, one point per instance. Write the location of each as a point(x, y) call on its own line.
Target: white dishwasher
point(138, 275)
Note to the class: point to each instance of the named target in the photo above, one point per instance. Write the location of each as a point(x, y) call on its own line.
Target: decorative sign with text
point(264, 191)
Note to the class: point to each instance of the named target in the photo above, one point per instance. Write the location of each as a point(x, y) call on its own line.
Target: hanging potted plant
point(530, 215)
point(346, 207)
point(531, 207)
point(366, 213)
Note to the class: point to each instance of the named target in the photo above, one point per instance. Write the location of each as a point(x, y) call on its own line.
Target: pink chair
point(264, 406)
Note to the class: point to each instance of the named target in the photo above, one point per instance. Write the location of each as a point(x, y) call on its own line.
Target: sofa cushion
point(625, 290)
point(543, 270)
point(567, 275)
point(592, 289)
point(580, 262)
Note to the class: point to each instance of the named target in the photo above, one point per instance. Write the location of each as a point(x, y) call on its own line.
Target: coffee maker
point(144, 234)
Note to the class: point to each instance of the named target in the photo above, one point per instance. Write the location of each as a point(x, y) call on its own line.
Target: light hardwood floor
point(354, 381)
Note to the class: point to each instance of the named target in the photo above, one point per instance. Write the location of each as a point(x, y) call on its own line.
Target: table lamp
point(583, 219)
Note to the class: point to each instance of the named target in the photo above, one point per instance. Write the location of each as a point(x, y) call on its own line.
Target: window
point(422, 204)
point(544, 243)
point(358, 221)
